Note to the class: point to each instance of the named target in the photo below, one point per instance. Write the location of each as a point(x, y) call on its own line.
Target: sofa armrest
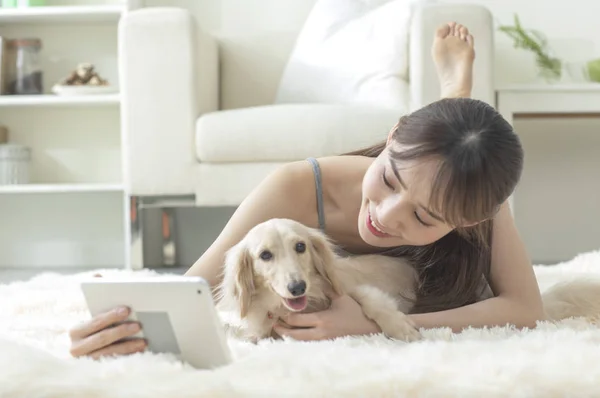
point(424, 84)
point(168, 69)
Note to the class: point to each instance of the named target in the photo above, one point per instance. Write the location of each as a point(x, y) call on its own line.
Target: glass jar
point(14, 164)
point(26, 73)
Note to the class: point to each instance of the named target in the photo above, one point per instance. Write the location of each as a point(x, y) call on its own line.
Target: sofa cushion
point(290, 132)
point(350, 51)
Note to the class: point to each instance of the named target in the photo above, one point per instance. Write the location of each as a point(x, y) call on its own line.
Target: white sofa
point(198, 121)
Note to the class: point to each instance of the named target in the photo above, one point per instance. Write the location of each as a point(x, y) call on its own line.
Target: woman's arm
point(517, 298)
point(285, 193)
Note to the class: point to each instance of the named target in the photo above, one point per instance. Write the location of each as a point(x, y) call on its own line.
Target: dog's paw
point(400, 327)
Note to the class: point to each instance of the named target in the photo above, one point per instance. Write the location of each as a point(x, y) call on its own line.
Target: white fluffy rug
point(552, 360)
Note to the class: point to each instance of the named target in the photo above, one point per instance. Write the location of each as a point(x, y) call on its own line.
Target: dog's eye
point(266, 255)
point(300, 247)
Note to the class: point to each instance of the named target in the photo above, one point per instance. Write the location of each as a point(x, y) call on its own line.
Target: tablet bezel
point(201, 338)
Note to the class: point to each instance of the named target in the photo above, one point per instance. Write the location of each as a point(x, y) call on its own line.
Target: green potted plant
point(550, 68)
point(593, 70)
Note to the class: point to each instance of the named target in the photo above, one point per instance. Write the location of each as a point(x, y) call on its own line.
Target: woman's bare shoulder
point(288, 192)
point(296, 183)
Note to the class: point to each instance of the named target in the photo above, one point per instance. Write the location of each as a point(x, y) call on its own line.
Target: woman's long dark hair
point(480, 163)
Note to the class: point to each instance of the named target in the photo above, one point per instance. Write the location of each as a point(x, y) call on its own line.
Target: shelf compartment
point(58, 14)
point(55, 100)
point(60, 188)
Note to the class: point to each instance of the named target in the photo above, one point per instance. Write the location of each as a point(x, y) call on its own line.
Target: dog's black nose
point(297, 288)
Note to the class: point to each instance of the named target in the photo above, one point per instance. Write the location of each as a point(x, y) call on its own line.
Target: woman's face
point(394, 204)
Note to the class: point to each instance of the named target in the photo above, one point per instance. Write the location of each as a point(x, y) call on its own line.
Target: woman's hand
point(344, 318)
point(100, 336)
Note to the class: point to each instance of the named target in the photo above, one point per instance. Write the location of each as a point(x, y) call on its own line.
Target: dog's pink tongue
point(297, 303)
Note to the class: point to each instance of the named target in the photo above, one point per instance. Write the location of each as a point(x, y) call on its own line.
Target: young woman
point(435, 192)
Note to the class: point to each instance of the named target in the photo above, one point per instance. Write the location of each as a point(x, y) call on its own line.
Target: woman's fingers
point(103, 335)
point(301, 326)
point(309, 320)
point(103, 339)
point(98, 323)
point(125, 348)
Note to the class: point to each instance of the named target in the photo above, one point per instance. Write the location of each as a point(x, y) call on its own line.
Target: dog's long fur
point(384, 286)
point(255, 288)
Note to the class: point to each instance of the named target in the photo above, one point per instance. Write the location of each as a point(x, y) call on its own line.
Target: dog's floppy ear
point(238, 281)
point(323, 259)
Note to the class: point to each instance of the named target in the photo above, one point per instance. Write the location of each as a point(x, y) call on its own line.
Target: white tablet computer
point(177, 314)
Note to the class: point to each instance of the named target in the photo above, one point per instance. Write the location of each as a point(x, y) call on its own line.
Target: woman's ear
point(391, 133)
point(323, 259)
point(238, 279)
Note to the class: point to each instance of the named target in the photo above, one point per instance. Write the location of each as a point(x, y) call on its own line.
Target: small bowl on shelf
point(60, 89)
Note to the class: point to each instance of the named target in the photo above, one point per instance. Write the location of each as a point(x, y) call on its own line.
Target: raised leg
point(383, 310)
point(453, 54)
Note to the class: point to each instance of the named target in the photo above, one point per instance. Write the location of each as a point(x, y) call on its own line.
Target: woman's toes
point(457, 29)
point(451, 25)
point(464, 32)
point(443, 31)
point(471, 40)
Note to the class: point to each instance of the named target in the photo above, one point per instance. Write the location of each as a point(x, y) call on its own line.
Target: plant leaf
point(540, 36)
point(534, 41)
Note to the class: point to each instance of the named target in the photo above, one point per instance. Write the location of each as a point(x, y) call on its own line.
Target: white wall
point(558, 202)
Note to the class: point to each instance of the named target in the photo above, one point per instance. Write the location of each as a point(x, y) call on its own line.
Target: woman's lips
point(375, 230)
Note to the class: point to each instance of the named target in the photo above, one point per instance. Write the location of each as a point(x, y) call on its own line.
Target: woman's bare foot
point(454, 54)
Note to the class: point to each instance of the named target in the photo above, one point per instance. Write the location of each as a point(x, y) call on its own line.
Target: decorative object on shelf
point(22, 3)
point(83, 80)
point(14, 164)
point(26, 77)
point(593, 70)
point(549, 67)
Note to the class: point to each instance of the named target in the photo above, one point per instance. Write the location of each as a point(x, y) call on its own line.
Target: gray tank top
point(320, 208)
point(319, 190)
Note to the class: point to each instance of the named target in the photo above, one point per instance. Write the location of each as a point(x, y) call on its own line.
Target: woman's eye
point(385, 181)
point(266, 255)
point(300, 247)
point(421, 220)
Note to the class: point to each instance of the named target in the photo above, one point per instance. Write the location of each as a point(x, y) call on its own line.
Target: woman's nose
point(389, 213)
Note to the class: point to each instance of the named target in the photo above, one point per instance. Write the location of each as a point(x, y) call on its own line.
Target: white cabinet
point(73, 212)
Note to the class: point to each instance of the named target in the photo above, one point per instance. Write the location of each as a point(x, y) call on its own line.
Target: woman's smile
point(375, 228)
